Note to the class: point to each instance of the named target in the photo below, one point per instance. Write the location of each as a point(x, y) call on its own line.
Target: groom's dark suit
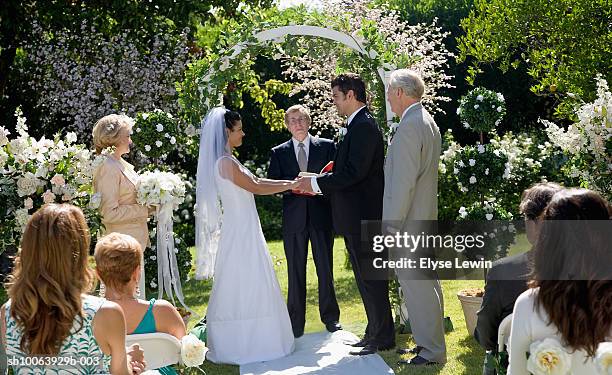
point(355, 188)
point(306, 218)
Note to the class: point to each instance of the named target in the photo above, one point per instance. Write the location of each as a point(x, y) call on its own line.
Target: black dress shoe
point(360, 344)
point(416, 350)
point(386, 347)
point(368, 349)
point(417, 361)
point(333, 326)
point(298, 334)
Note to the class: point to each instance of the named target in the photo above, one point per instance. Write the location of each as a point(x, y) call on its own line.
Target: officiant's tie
point(302, 161)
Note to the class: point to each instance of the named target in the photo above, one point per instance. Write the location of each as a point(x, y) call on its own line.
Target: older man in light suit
point(411, 193)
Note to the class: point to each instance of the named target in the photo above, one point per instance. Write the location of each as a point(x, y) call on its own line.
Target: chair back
point(503, 333)
point(160, 349)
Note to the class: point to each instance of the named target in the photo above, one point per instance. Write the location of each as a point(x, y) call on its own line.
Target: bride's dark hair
point(572, 268)
point(231, 117)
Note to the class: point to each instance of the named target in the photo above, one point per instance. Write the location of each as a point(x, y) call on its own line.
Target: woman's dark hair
point(231, 117)
point(535, 199)
point(571, 266)
point(351, 81)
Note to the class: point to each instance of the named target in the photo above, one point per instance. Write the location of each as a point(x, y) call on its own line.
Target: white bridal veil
point(213, 141)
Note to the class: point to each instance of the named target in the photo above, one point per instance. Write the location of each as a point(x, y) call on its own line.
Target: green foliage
point(156, 134)
point(270, 209)
point(481, 110)
point(563, 43)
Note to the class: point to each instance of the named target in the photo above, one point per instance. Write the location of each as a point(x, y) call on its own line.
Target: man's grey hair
point(409, 81)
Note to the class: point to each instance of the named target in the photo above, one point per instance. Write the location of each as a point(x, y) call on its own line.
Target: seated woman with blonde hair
point(118, 263)
point(49, 312)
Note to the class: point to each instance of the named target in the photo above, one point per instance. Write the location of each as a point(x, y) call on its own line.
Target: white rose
point(463, 212)
point(476, 106)
point(138, 130)
point(193, 351)
point(48, 196)
point(490, 217)
point(71, 137)
point(603, 358)
point(158, 143)
point(479, 98)
point(159, 128)
point(472, 180)
point(472, 162)
point(58, 180)
point(481, 149)
point(487, 171)
point(27, 185)
point(28, 203)
point(147, 148)
point(499, 109)
point(172, 140)
point(458, 110)
point(548, 357)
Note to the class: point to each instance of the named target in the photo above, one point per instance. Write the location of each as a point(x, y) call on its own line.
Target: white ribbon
point(168, 275)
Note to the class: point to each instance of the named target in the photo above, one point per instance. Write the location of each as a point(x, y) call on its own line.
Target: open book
point(327, 168)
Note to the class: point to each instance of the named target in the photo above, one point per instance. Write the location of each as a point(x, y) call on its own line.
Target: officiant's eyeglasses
point(291, 120)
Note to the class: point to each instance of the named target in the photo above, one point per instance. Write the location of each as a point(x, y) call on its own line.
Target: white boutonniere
point(548, 357)
point(341, 133)
point(603, 358)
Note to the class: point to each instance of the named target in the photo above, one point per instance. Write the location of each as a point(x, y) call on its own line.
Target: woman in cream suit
point(116, 181)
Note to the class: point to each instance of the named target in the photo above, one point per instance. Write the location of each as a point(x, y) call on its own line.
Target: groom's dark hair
point(350, 81)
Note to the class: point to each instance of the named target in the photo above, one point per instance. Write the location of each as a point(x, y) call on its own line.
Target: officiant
point(306, 218)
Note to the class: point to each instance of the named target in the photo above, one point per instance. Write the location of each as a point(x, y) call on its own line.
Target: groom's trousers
point(296, 250)
point(374, 294)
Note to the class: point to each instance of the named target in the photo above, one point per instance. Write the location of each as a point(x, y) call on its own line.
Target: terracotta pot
point(470, 305)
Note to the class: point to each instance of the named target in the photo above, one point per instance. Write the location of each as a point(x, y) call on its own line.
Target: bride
point(247, 319)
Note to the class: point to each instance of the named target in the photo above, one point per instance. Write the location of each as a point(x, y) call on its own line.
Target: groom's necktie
point(302, 161)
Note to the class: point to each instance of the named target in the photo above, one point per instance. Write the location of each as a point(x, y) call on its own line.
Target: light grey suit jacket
point(411, 168)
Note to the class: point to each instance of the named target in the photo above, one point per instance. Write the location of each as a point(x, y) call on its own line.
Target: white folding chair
point(160, 349)
point(503, 333)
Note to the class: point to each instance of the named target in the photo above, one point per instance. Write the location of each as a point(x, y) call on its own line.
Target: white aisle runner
point(321, 353)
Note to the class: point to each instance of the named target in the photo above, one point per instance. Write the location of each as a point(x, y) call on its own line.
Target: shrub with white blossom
point(481, 110)
point(588, 141)
point(34, 172)
point(81, 75)
point(156, 134)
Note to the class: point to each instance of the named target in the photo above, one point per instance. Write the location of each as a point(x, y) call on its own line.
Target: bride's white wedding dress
point(247, 319)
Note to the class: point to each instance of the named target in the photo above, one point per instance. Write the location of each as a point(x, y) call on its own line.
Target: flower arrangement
point(193, 351)
point(35, 172)
point(156, 134)
point(481, 110)
point(548, 357)
point(588, 141)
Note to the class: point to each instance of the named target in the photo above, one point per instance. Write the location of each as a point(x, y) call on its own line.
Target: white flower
point(455, 170)
point(225, 63)
point(462, 212)
point(172, 140)
point(138, 130)
point(603, 358)
point(479, 98)
point(548, 357)
point(460, 163)
point(472, 162)
point(158, 143)
point(71, 137)
point(159, 128)
point(58, 180)
point(458, 110)
point(95, 200)
point(147, 148)
point(48, 196)
point(342, 131)
point(481, 149)
point(500, 97)
point(153, 284)
point(22, 218)
point(28, 203)
point(487, 171)
point(473, 180)
point(193, 351)
point(166, 135)
point(27, 184)
point(499, 109)
point(3, 136)
point(489, 217)
point(476, 106)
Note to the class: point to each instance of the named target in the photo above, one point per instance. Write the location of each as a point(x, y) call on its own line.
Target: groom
point(355, 188)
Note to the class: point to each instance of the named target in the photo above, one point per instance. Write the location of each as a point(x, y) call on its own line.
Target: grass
point(465, 356)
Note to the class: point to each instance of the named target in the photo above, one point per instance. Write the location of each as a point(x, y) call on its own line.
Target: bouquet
point(165, 191)
point(193, 351)
point(548, 357)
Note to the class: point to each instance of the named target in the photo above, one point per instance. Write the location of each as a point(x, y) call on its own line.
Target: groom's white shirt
point(313, 181)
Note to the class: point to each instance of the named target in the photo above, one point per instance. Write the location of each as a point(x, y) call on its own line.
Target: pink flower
point(28, 203)
point(48, 197)
point(58, 180)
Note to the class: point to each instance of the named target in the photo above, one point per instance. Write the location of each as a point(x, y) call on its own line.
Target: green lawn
point(464, 355)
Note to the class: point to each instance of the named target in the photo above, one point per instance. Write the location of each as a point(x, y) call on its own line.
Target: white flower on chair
point(193, 351)
point(603, 358)
point(548, 357)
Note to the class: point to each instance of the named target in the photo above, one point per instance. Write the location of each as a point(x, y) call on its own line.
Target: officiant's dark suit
point(355, 188)
point(306, 218)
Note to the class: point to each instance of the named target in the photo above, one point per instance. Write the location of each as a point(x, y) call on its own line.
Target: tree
point(563, 44)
